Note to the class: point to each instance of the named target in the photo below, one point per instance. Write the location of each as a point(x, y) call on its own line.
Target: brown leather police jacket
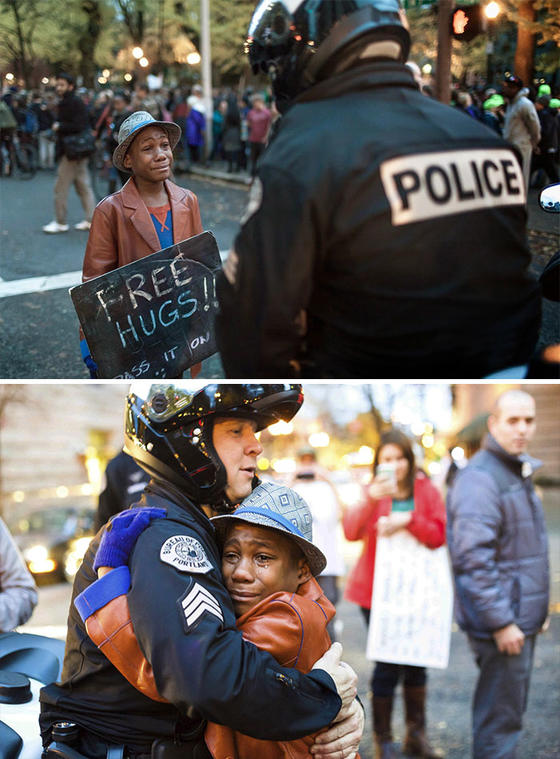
point(122, 229)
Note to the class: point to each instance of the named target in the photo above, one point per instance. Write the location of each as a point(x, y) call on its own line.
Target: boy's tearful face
point(259, 561)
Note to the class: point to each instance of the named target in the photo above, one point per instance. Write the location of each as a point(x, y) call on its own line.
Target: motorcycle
point(27, 662)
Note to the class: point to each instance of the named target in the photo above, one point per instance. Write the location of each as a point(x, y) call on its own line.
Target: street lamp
point(491, 11)
point(137, 53)
point(144, 62)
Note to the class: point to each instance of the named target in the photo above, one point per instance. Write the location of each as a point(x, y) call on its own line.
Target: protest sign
point(412, 603)
point(154, 317)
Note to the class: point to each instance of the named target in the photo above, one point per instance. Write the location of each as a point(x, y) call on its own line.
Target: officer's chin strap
point(225, 506)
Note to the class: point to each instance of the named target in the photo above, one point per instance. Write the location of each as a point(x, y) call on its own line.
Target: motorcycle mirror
point(550, 198)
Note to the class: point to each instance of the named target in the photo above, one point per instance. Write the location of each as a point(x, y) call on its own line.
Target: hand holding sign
point(154, 317)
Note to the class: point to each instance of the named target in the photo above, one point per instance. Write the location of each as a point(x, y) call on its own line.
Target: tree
point(538, 23)
point(18, 28)
point(87, 40)
point(229, 24)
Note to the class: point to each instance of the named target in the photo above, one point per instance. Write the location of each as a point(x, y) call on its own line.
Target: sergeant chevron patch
point(196, 602)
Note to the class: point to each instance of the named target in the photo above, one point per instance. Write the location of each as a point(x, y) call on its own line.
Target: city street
point(38, 324)
point(449, 691)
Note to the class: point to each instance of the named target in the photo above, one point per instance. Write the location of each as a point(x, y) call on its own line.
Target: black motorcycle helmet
point(168, 430)
point(300, 42)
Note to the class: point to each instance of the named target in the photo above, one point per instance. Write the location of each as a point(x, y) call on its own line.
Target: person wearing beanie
point(493, 115)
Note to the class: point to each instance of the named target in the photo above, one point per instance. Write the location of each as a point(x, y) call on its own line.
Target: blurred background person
point(493, 114)
point(119, 113)
point(123, 483)
point(522, 127)
point(72, 119)
point(401, 497)
point(313, 484)
point(45, 135)
point(218, 114)
point(231, 135)
point(259, 119)
point(545, 152)
point(18, 594)
point(195, 124)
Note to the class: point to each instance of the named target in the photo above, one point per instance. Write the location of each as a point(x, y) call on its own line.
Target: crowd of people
point(241, 121)
point(528, 117)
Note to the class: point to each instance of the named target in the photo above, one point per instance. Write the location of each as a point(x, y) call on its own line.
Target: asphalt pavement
point(38, 325)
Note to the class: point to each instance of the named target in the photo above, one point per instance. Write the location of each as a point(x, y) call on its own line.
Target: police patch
point(430, 185)
point(196, 602)
point(186, 554)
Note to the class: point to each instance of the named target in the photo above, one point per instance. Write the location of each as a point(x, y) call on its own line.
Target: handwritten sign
point(154, 317)
point(412, 603)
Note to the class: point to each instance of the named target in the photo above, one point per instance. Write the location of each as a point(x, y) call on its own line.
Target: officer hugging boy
point(269, 565)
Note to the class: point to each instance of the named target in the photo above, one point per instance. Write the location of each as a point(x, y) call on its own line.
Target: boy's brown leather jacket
point(122, 230)
point(290, 626)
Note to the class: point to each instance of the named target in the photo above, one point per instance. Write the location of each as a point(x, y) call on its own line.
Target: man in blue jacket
point(499, 551)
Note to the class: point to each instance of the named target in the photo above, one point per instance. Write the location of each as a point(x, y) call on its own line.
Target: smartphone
point(387, 471)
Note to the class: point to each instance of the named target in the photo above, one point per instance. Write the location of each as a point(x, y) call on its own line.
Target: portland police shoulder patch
point(186, 554)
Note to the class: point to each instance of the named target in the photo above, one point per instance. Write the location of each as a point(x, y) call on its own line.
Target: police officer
point(385, 233)
point(199, 448)
point(124, 481)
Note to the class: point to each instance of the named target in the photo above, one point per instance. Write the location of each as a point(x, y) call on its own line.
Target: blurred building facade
point(55, 440)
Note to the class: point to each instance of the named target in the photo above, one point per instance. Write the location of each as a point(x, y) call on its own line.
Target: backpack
point(31, 124)
point(7, 118)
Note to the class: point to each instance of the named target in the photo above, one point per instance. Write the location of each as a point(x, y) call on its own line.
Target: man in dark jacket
point(124, 482)
point(199, 447)
point(72, 118)
point(385, 233)
point(499, 551)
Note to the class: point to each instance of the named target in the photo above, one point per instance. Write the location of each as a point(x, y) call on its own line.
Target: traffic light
point(466, 22)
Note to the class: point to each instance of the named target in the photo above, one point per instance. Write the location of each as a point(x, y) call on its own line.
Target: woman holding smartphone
point(400, 497)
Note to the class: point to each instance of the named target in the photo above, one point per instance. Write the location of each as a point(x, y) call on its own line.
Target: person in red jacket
point(400, 497)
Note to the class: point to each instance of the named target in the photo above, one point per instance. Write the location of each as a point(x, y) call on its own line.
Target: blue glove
point(122, 533)
point(87, 359)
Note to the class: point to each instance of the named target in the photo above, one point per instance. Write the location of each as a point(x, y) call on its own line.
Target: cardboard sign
point(412, 603)
point(154, 317)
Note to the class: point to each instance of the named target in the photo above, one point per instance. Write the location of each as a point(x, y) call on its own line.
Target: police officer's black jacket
point(398, 224)
point(185, 624)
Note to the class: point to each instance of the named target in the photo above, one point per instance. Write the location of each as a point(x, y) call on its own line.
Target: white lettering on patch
point(197, 602)
point(429, 185)
point(186, 554)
